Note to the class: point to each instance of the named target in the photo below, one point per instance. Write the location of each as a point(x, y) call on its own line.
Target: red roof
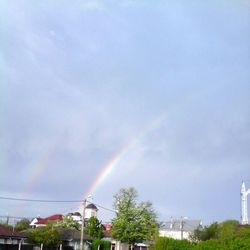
point(55, 217)
point(5, 231)
point(107, 226)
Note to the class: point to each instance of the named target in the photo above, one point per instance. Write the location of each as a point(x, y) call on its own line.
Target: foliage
point(68, 222)
point(243, 231)
point(94, 228)
point(48, 235)
point(215, 244)
point(133, 222)
point(99, 244)
point(227, 229)
point(164, 243)
point(212, 244)
point(228, 235)
point(22, 225)
point(206, 233)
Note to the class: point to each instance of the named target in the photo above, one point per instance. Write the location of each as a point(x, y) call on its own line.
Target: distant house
point(90, 211)
point(76, 216)
point(179, 228)
point(41, 222)
point(8, 237)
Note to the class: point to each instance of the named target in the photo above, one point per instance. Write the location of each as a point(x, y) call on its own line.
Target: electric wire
point(54, 201)
point(39, 200)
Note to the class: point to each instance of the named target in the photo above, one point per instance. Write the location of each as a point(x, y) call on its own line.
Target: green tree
point(243, 231)
point(47, 235)
point(22, 225)
point(227, 229)
point(94, 228)
point(206, 233)
point(99, 244)
point(133, 222)
point(68, 222)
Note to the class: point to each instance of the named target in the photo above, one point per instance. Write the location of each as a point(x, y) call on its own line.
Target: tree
point(22, 225)
point(243, 231)
point(133, 222)
point(227, 229)
point(68, 222)
point(47, 235)
point(98, 244)
point(94, 228)
point(206, 233)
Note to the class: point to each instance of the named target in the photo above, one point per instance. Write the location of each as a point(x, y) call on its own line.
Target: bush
point(163, 243)
point(100, 245)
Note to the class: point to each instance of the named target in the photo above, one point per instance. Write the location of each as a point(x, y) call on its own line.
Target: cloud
point(82, 79)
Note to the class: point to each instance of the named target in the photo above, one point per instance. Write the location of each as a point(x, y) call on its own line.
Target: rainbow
point(119, 156)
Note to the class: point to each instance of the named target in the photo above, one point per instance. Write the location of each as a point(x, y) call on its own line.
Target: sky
point(158, 92)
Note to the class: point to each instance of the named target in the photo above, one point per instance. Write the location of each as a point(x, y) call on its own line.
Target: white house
point(90, 211)
point(179, 228)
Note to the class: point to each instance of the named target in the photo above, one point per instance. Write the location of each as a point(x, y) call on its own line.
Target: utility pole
point(82, 227)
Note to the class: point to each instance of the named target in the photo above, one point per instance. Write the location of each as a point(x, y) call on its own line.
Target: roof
point(55, 217)
point(6, 232)
point(91, 206)
point(107, 228)
point(185, 224)
point(68, 234)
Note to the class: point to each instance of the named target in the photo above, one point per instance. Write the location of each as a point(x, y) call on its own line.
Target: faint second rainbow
point(119, 156)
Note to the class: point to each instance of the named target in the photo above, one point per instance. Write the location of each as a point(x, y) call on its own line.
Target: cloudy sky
point(167, 81)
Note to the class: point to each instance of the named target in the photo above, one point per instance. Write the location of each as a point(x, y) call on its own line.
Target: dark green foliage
point(243, 231)
point(134, 222)
point(213, 244)
point(206, 233)
point(228, 235)
point(99, 244)
point(163, 243)
point(233, 244)
point(22, 225)
point(94, 228)
point(227, 229)
point(47, 235)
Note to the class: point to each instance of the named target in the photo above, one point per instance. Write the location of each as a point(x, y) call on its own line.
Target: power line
point(14, 217)
point(54, 201)
point(38, 200)
point(108, 209)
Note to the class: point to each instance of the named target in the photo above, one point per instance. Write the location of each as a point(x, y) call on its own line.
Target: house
point(76, 216)
point(179, 228)
point(90, 211)
point(41, 222)
point(8, 237)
